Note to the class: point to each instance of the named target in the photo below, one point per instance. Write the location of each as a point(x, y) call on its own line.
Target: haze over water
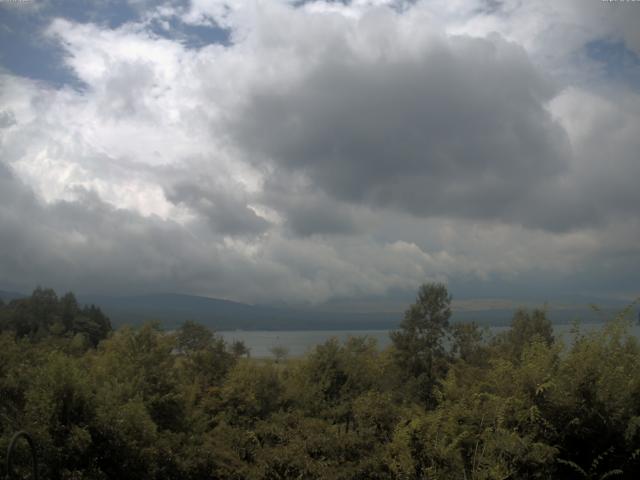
point(299, 342)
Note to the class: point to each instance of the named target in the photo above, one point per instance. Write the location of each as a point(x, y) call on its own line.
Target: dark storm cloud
point(460, 129)
point(87, 245)
point(309, 213)
point(308, 218)
point(225, 210)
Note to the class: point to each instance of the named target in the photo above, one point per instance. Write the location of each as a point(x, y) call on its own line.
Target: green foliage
point(469, 343)
point(193, 337)
point(526, 327)
point(419, 343)
point(251, 392)
point(43, 315)
point(280, 352)
point(443, 402)
point(239, 349)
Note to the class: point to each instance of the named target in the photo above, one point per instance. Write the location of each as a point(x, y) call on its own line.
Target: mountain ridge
point(172, 309)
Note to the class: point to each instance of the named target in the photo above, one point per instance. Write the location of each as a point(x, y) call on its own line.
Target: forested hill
point(8, 296)
point(172, 309)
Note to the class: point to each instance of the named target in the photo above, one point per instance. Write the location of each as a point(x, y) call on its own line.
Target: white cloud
point(165, 171)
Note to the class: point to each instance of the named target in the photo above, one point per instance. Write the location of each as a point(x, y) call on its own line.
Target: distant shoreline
point(300, 342)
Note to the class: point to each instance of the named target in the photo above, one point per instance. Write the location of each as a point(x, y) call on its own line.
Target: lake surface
point(301, 342)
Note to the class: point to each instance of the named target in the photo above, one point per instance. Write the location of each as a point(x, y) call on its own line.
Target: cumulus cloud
point(223, 207)
point(605, 134)
point(326, 150)
point(458, 128)
point(89, 244)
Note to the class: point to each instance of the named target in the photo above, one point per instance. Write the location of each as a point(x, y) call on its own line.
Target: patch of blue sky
point(616, 62)
point(191, 36)
point(25, 50)
point(111, 13)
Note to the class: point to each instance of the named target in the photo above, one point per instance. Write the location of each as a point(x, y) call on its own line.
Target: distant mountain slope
point(8, 296)
point(173, 309)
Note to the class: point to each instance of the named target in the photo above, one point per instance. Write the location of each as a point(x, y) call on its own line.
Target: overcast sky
point(274, 151)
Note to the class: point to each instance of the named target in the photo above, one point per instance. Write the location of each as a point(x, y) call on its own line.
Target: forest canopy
point(445, 400)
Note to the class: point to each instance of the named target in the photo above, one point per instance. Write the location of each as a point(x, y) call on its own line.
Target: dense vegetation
point(444, 402)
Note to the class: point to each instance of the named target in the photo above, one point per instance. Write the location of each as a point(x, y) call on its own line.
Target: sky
point(304, 152)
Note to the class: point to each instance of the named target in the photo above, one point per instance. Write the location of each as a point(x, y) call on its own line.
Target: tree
point(43, 315)
point(69, 309)
point(92, 323)
point(526, 327)
point(468, 343)
point(193, 337)
point(419, 348)
point(250, 392)
point(240, 349)
point(280, 352)
point(205, 354)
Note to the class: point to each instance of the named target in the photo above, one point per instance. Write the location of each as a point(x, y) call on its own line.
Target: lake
point(300, 342)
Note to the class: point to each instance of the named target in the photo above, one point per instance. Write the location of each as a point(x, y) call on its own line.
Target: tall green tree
point(419, 343)
point(526, 327)
point(193, 337)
